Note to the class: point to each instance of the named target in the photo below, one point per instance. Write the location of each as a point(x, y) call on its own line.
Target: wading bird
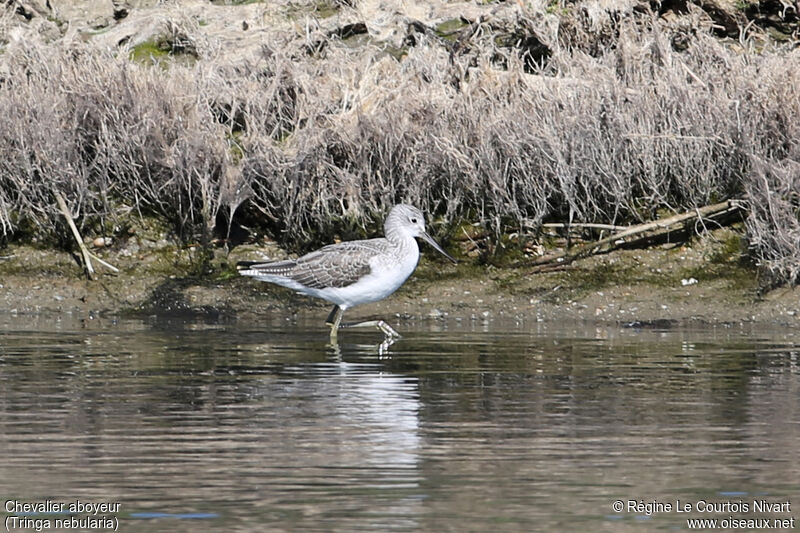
point(354, 272)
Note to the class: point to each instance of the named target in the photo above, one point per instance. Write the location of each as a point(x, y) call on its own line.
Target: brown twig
point(638, 234)
point(582, 225)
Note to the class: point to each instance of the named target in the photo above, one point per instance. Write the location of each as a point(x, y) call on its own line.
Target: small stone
point(689, 281)
point(100, 242)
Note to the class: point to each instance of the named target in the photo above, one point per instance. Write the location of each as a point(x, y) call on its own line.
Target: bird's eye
point(413, 220)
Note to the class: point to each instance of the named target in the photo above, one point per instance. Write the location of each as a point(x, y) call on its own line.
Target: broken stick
point(86, 255)
point(87, 260)
point(641, 232)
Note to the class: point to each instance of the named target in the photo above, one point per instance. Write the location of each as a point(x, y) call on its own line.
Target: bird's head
point(409, 219)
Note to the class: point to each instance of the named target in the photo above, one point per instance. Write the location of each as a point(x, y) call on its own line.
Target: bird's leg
point(380, 324)
point(334, 320)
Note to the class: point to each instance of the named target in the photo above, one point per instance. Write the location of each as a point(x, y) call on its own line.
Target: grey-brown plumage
point(335, 265)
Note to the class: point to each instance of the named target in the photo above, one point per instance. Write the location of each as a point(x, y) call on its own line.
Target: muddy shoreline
point(703, 282)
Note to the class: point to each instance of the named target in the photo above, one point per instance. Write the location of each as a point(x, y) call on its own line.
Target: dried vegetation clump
point(584, 115)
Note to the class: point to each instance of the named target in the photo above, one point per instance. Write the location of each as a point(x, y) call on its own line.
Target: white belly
point(385, 277)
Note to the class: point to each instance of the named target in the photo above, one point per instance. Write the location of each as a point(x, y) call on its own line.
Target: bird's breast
point(395, 272)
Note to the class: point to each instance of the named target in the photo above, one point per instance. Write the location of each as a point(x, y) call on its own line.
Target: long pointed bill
point(436, 246)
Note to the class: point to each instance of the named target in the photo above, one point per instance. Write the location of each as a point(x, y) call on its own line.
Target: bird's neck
point(400, 238)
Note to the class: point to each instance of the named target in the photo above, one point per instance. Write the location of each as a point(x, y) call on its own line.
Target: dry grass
point(314, 145)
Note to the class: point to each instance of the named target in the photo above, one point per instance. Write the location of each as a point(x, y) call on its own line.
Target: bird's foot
point(387, 330)
point(380, 324)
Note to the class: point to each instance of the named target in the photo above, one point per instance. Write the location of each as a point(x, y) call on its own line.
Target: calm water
point(194, 426)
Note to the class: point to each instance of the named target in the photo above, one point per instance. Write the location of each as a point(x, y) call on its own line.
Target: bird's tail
point(262, 268)
point(246, 265)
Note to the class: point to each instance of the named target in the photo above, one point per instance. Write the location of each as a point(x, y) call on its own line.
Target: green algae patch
point(449, 29)
point(149, 52)
point(162, 52)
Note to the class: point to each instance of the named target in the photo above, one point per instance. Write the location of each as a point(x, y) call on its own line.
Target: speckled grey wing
point(335, 265)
